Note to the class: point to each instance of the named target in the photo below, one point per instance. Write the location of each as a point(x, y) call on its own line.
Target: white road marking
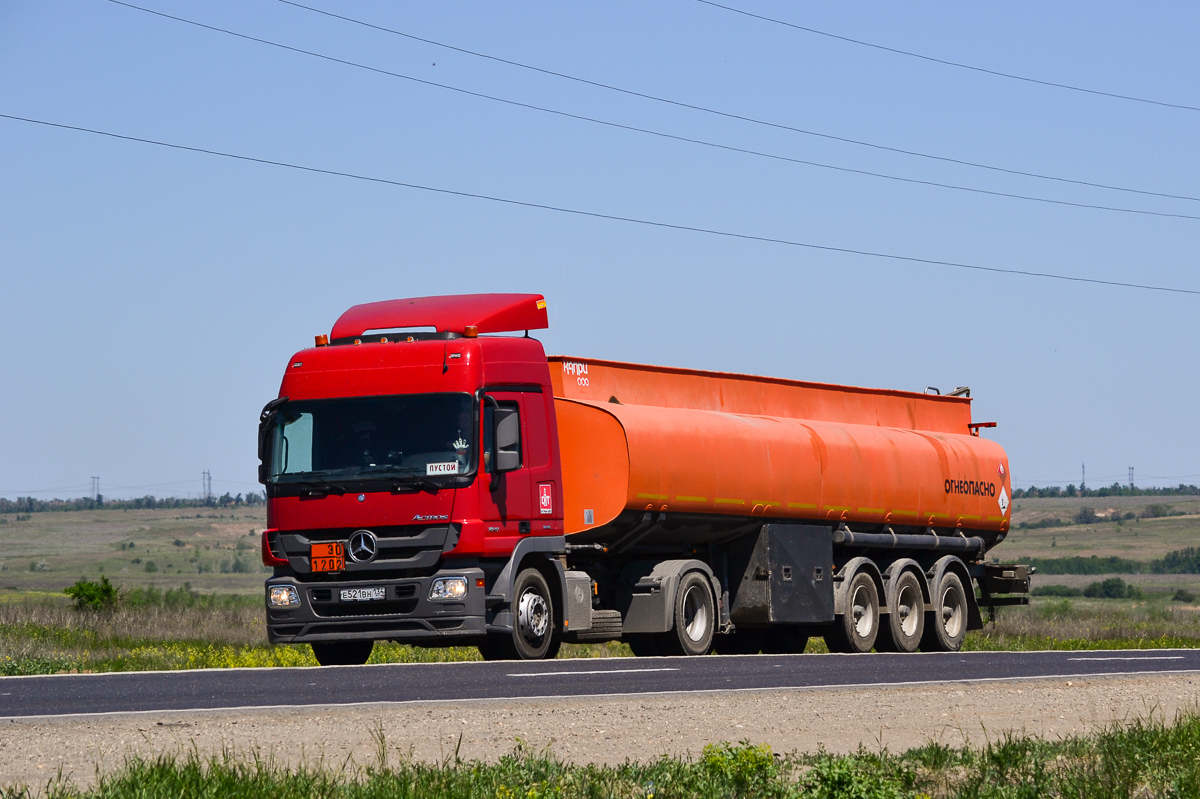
point(1153, 657)
point(596, 671)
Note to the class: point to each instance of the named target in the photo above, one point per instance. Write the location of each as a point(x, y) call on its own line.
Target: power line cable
point(660, 134)
point(945, 62)
point(730, 115)
point(611, 217)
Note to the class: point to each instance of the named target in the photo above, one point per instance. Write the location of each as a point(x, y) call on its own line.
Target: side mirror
point(506, 427)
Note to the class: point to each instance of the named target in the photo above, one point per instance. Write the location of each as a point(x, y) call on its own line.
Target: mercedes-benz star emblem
point(362, 546)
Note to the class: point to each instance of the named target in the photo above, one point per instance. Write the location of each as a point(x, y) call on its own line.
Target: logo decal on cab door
point(546, 498)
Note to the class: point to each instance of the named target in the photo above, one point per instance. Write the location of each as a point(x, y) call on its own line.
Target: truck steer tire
point(947, 623)
point(904, 625)
point(533, 634)
point(855, 630)
point(343, 653)
point(695, 618)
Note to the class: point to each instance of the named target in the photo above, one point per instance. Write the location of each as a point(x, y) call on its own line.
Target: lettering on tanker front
point(449, 467)
point(578, 370)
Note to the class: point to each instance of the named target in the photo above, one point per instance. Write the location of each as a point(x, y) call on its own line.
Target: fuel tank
point(725, 451)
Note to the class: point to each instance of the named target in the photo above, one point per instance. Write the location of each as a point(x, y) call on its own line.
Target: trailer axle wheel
point(948, 623)
point(906, 618)
point(855, 630)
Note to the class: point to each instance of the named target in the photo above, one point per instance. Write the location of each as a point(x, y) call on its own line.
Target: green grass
point(1143, 758)
point(176, 629)
point(181, 629)
point(217, 549)
point(1134, 539)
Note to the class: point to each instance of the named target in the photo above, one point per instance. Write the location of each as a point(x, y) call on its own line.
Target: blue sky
point(152, 297)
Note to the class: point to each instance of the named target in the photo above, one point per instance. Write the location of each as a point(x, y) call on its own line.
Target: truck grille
point(408, 550)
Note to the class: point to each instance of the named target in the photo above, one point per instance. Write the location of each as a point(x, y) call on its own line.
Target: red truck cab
point(405, 461)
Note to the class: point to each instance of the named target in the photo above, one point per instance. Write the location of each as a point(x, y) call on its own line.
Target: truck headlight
point(282, 596)
point(448, 588)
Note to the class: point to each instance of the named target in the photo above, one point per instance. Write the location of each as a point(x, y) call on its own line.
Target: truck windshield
point(374, 437)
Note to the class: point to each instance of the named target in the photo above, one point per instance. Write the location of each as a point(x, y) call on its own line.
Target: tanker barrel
point(894, 541)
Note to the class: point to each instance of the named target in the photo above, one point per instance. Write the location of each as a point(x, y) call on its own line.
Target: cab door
point(508, 499)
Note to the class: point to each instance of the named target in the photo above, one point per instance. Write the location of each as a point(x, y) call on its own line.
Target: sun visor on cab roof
point(487, 313)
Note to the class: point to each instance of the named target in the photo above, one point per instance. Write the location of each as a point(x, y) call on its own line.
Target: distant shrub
point(151, 566)
point(1183, 596)
point(1056, 590)
point(1112, 588)
point(1077, 564)
point(1156, 511)
point(93, 596)
point(1181, 561)
point(1085, 516)
point(1044, 523)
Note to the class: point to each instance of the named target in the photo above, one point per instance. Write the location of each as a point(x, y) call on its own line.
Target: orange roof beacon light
point(322, 340)
point(471, 331)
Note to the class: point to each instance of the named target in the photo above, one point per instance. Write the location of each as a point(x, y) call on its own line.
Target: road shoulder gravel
point(594, 730)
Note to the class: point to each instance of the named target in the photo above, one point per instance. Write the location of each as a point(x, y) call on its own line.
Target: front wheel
point(343, 653)
point(533, 635)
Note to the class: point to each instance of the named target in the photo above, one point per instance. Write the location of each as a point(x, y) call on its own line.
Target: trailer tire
point(948, 622)
point(533, 635)
point(695, 618)
point(342, 653)
point(855, 630)
point(906, 617)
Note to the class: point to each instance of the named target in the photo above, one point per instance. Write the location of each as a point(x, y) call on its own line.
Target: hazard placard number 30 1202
point(546, 498)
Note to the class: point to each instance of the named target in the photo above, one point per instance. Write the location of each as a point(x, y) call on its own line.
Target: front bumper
point(406, 614)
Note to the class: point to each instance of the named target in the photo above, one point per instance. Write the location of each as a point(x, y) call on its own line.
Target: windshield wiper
point(319, 485)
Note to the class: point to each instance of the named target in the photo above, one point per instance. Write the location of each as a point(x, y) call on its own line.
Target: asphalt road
point(70, 694)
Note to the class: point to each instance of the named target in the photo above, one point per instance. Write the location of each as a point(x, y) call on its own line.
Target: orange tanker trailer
point(433, 482)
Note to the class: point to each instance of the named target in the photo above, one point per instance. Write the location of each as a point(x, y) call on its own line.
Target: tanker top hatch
point(449, 316)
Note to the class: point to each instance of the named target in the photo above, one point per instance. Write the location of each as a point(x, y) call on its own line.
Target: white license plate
point(363, 594)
